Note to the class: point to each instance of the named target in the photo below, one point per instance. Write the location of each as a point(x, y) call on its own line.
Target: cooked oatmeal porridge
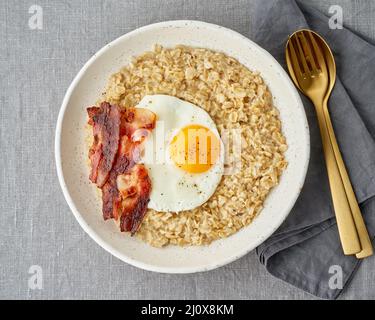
point(235, 98)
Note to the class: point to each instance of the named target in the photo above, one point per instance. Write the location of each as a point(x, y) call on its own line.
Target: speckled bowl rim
point(69, 200)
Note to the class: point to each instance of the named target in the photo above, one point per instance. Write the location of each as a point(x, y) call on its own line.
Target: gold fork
point(308, 70)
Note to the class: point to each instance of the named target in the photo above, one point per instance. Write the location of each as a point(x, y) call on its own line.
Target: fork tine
point(294, 60)
point(318, 52)
point(310, 56)
point(302, 54)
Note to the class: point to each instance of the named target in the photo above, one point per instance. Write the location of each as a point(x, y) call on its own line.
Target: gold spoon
point(309, 72)
point(364, 238)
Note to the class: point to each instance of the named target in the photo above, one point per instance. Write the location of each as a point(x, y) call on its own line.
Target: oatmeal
point(235, 98)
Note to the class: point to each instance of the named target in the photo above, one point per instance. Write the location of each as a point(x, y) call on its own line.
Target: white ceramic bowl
point(71, 151)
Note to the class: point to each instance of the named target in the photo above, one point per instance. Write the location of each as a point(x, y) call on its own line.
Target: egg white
point(173, 189)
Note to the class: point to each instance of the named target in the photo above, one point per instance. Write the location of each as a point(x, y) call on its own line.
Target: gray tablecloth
point(38, 234)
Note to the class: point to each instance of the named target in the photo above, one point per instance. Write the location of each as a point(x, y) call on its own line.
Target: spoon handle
point(345, 222)
point(364, 238)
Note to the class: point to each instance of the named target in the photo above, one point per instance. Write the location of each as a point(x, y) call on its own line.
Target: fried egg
point(184, 154)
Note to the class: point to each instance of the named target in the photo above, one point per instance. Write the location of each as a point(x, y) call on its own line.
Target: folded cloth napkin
point(304, 249)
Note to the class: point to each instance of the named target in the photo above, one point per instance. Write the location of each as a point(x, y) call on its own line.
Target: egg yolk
point(195, 149)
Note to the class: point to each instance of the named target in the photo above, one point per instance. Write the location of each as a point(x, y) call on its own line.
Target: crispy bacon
point(127, 186)
point(92, 112)
point(134, 119)
point(106, 122)
point(124, 163)
point(134, 187)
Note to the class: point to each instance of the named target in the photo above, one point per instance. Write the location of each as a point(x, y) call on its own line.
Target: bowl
point(71, 148)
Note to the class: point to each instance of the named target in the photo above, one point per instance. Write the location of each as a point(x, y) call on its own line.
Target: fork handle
point(364, 238)
point(345, 223)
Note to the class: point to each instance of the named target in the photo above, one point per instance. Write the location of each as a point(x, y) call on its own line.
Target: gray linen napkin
point(302, 251)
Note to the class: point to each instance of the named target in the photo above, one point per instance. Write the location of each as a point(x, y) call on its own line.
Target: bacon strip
point(134, 119)
point(124, 162)
point(127, 186)
point(134, 188)
point(106, 122)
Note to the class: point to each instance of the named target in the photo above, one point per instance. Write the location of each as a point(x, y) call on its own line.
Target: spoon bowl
point(307, 66)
